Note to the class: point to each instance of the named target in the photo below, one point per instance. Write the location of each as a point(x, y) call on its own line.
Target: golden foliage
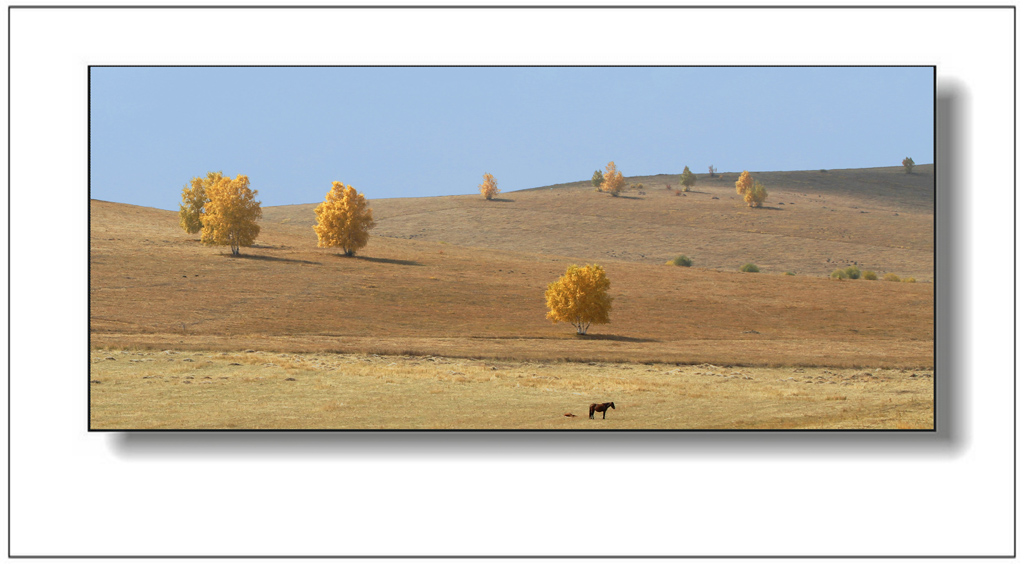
point(580, 297)
point(687, 179)
point(232, 213)
point(756, 195)
point(745, 182)
point(343, 219)
point(490, 187)
point(613, 180)
point(193, 201)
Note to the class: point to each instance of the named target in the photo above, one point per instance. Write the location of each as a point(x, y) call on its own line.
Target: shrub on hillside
point(687, 179)
point(613, 180)
point(750, 267)
point(744, 182)
point(839, 274)
point(852, 272)
point(490, 187)
point(754, 193)
point(790, 273)
point(890, 277)
point(870, 275)
point(910, 279)
point(681, 260)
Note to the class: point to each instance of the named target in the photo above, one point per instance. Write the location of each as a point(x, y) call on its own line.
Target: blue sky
point(427, 131)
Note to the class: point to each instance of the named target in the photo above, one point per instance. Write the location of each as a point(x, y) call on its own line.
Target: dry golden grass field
point(462, 280)
point(176, 389)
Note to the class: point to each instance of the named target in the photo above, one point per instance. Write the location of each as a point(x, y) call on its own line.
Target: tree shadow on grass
point(620, 338)
point(502, 200)
point(629, 197)
point(384, 260)
point(273, 259)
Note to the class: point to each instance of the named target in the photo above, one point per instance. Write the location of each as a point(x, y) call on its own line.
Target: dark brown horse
point(602, 407)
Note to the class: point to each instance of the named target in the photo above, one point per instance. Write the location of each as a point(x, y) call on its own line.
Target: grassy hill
point(461, 276)
point(813, 222)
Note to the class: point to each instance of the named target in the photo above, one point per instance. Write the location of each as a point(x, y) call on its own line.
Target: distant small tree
point(580, 297)
point(343, 219)
point(756, 195)
point(231, 216)
point(687, 179)
point(490, 187)
point(744, 183)
point(711, 171)
point(193, 201)
point(613, 180)
point(908, 165)
point(598, 179)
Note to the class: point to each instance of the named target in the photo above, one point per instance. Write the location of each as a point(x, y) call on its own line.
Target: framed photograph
point(416, 387)
point(570, 248)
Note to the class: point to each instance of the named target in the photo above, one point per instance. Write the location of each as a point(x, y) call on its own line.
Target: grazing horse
point(602, 407)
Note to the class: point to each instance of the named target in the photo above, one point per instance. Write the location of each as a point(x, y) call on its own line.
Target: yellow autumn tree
point(687, 179)
point(343, 220)
point(745, 182)
point(613, 180)
point(490, 187)
point(231, 215)
point(756, 195)
point(580, 297)
point(193, 201)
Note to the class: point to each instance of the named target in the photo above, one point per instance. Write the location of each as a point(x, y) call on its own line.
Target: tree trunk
point(581, 329)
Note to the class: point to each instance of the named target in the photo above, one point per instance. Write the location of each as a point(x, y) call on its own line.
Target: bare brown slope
point(153, 285)
point(879, 219)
